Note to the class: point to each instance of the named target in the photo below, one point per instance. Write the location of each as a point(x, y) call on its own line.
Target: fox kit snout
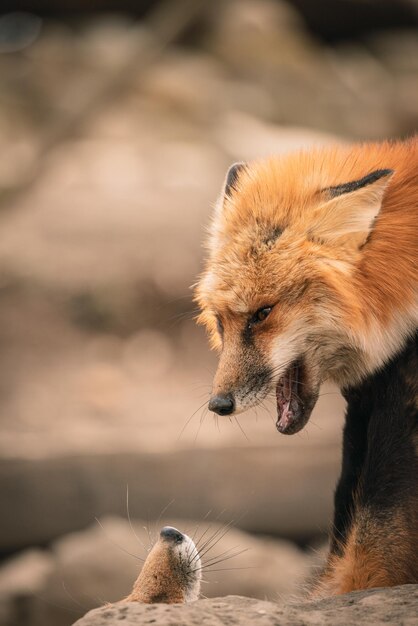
point(311, 274)
point(172, 571)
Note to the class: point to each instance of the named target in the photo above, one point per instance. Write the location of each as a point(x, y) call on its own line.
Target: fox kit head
point(280, 294)
point(172, 571)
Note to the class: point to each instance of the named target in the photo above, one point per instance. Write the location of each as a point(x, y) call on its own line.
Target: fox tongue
point(287, 399)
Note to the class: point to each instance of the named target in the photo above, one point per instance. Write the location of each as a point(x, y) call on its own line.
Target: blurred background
point(118, 120)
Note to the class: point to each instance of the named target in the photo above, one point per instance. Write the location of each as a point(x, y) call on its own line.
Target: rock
point(350, 91)
point(23, 581)
point(26, 572)
point(260, 36)
point(397, 606)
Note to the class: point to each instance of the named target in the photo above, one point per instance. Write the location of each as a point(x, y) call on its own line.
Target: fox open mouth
point(294, 399)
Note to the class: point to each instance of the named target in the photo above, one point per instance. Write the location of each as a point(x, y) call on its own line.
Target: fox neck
point(368, 351)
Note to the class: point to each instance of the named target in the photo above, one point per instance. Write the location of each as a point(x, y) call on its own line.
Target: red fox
point(312, 274)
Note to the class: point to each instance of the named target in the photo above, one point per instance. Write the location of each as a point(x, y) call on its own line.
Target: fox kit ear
point(350, 209)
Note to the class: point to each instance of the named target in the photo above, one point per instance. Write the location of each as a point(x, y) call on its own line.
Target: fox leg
point(380, 551)
point(375, 535)
point(354, 454)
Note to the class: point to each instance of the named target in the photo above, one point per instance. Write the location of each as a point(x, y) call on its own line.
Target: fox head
point(282, 294)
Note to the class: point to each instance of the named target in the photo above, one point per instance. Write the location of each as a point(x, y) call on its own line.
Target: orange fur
point(159, 579)
point(369, 294)
point(376, 555)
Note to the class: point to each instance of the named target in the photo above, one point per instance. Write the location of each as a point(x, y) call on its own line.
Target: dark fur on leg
point(375, 534)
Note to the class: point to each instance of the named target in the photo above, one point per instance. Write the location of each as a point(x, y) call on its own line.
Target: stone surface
point(395, 607)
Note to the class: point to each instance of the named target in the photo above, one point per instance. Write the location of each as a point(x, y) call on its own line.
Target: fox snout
point(241, 381)
point(222, 404)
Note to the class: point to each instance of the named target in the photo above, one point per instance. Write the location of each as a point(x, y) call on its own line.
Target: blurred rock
point(247, 138)
point(98, 565)
point(284, 491)
point(394, 606)
point(349, 91)
point(26, 573)
point(397, 49)
point(23, 581)
point(263, 35)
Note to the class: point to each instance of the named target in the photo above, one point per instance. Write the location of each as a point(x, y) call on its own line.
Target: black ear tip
point(232, 175)
point(381, 173)
point(371, 178)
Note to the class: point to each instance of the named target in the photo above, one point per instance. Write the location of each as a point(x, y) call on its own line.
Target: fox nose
point(171, 534)
point(222, 405)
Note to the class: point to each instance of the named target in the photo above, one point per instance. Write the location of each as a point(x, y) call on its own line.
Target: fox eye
point(261, 314)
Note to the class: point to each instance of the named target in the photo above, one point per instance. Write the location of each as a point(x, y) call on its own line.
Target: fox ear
point(232, 178)
point(227, 189)
point(350, 209)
